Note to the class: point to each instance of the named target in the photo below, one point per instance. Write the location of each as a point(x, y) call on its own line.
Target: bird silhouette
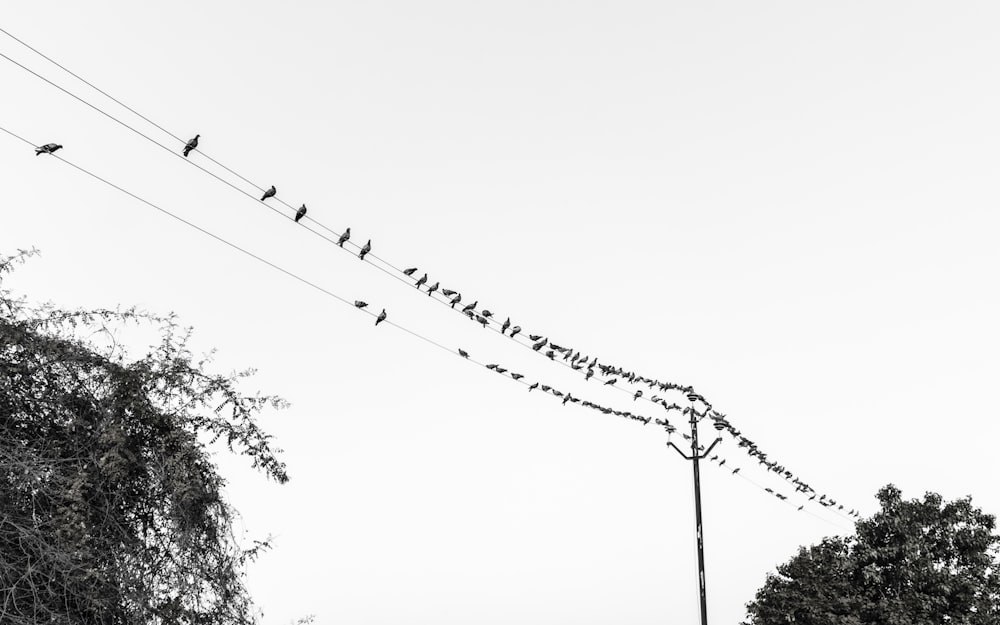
point(501, 370)
point(514, 331)
point(538, 346)
point(534, 337)
point(463, 353)
point(192, 144)
point(722, 463)
point(487, 313)
point(491, 366)
point(546, 388)
point(611, 382)
point(269, 193)
point(736, 470)
point(590, 374)
point(482, 320)
point(344, 237)
point(471, 306)
point(448, 292)
point(364, 251)
point(360, 304)
point(637, 395)
point(48, 148)
point(456, 300)
point(469, 314)
point(533, 387)
point(506, 324)
point(516, 376)
point(432, 288)
point(410, 271)
point(299, 214)
point(381, 317)
point(567, 398)
point(422, 280)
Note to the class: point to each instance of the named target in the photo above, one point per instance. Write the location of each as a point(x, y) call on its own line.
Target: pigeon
point(637, 395)
point(611, 382)
point(381, 317)
point(481, 319)
point(590, 374)
point(736, 470)
point(540, 344)
point(722, 463)
point(471, 306)
point(422, 280)
point(192, 144)
point(533, 387)
point(410, 271)
point(433, 288)
point(514, 331)
point(364, 251)
point(269, 193)
point(491, 367)
point(535, 337)
point(344, 237)
point(516, 376)
point(551, 354)
point(456, 300)
point(506, 324)
point(501, 370)
point(299, 214)
point(463, 353)
point(469, 314)
point(566, 399)
point(448, 292)
point(546, 388)
point(48, 148)
point(487, 313)
point(358, 303)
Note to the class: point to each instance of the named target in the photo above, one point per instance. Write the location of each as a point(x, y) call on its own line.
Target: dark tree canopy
point(111, 510)
point(916, 562)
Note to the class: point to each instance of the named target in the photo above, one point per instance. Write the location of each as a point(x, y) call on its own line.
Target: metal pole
point(697, 514)
point(696, 455)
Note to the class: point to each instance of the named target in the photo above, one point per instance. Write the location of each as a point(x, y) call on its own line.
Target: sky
point(790, 206)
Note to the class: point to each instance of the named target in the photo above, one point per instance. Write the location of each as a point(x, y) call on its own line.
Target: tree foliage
point(917, 562)
point(111, 510)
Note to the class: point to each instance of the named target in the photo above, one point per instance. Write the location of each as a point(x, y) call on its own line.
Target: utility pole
point(695, 456)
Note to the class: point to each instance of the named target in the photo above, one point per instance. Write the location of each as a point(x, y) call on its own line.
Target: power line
point(309, 283)
point(399, 273)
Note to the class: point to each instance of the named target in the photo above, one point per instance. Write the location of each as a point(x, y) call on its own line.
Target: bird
point(299, 214)
point(463, 353)
point(448, 292)
point(481, 319)
point(723, 462)
point(358, 303)
point(422, 280)
point(456, 300)
point(381, 317)
point(469, 314)
point(491, 366)
point(539, 345)
point(637, 395)
point(273, 191)
point(534, 337)
point(433, 288)
point(48, 148)
point(344, 237)
point(567, 398)
point(516, 376)
point(611, 382)
point(590, 374)
point(736, 470)
point(501, 370)
point(471, 306)
point(533, 387)
point(364, 251)
point(192, 144)
point(506, 324)
point(487, 313)
point(514, 331)
point(410, 271)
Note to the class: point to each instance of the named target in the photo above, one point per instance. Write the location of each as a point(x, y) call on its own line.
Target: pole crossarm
point(702, 456)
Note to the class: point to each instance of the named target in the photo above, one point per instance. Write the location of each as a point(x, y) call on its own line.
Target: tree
point(111, 510)
point(916, 562)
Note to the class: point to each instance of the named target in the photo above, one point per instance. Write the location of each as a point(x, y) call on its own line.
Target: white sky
point(792, 207)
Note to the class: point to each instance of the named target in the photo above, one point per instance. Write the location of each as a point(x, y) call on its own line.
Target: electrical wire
point(653, 382)
point(282, 270)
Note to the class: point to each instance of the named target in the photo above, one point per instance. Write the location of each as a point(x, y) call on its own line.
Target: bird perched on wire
point(463, 353)
point(481, 319)
point(506, 324)
point(359, 304)
point(611, 382)
point(514, 331)
point(448, 292)
point(381, 317)
point(410, 271)
point(637, 395)
point(273, 191)
point(590, 374)
point(344, 237)
point(487, 313)
point(432, 288)
point(192, 144)
point(470, 307)
point(48, 148)
point(299, 214)
point(516, 376)
point(364, 251)
point(533, 387)
point(539, 345)
point(422, 281)
point(534, 337)
point(456, 300)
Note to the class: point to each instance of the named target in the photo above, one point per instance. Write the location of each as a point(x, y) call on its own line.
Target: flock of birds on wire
point(611, 374)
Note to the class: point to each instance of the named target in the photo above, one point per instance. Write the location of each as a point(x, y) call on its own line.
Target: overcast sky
point(790, 206)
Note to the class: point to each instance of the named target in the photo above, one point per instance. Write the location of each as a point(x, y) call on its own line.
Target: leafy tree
point(916, 562)
point(111, 510)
